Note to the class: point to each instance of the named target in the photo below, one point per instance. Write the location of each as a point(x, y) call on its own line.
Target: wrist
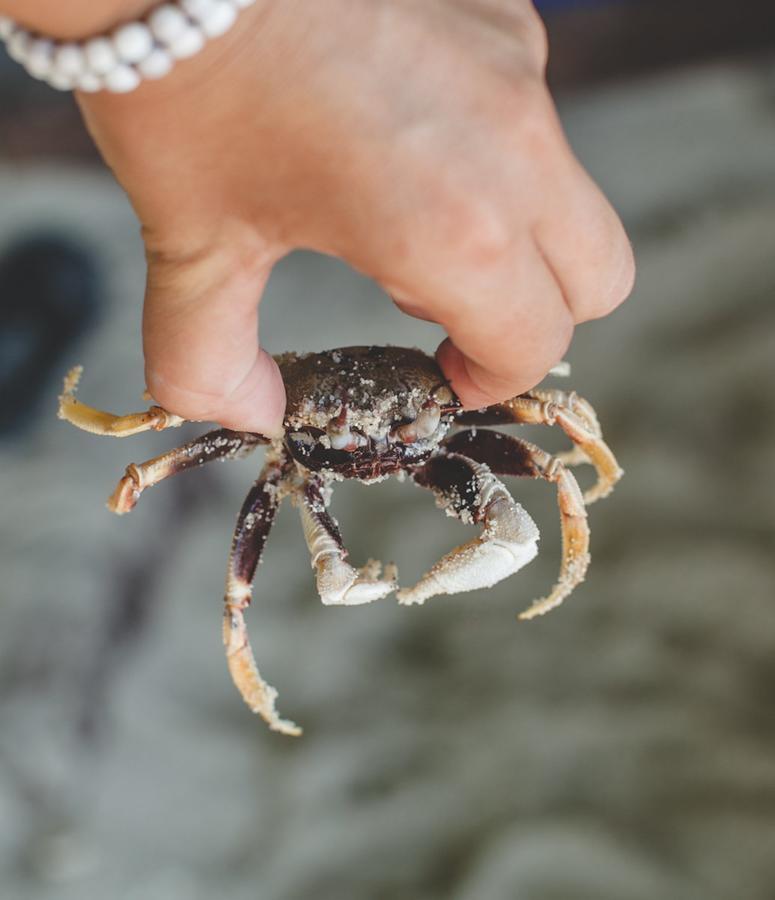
point(75, 19)
point(118, 60)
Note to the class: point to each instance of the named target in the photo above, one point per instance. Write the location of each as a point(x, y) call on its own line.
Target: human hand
point(417, 141)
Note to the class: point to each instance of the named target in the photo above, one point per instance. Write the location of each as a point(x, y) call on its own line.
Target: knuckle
point(535, 39)
point(528, 44)
point(234, 250)
point(528, 122)
point(472, 229)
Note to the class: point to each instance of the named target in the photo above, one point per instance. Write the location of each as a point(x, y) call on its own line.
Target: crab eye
point(443, 395)
point(424, 425)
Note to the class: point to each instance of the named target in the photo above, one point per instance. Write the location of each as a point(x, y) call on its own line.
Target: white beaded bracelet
point(119, 61)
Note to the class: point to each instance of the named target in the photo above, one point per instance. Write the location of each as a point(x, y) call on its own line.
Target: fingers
point(200, 334)
point(505, 341)
point(509, 260)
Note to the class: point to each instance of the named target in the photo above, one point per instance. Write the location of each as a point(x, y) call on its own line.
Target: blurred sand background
point(622, 747)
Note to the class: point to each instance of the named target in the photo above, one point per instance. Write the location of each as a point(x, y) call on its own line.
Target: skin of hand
point(416, 141)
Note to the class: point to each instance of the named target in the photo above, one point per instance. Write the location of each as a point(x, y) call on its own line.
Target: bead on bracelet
point(122, 59)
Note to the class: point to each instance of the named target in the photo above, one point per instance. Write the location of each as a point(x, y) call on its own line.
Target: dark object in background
point(49, 290)
point(590, 42)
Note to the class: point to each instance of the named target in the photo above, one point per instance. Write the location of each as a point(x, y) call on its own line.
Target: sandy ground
point(622, 748)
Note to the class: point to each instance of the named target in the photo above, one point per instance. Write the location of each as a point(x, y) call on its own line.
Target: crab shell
point(364, 412)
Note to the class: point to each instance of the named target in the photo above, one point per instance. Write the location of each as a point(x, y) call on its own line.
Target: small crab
point(367, 413)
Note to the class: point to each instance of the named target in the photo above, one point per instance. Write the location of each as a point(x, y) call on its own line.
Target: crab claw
point(340, 584)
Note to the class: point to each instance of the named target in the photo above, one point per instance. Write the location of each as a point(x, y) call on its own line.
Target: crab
point(368, 413)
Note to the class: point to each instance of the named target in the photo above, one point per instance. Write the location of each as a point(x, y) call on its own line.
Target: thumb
point(200, 336)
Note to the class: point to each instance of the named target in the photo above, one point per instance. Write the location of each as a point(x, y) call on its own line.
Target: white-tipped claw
point(340, 584)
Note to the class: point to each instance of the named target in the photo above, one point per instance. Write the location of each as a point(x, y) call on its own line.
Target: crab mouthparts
point(342, 437)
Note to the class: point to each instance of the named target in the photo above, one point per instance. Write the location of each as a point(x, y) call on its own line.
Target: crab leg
point(87, 418)
point(533, 410)
point(253, 527)
point(507, 455)
point(577, 419)
point(469, 491)
point(219, 444)
point(572, 401)
point(579, 405)
point(338, 582)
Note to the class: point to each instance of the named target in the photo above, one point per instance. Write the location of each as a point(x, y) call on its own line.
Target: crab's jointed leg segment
point(577, 419)
point(572, 401)
point(580, 424)
point(469, 491)
point(338, 582)
point(253, 527)
point(508, 455)
point(579, 405)
point(87, 418)
point(219, 444)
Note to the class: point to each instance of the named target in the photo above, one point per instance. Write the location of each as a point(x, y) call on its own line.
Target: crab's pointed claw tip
point(290, 729)
point(71, 379)
point(69, 386)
